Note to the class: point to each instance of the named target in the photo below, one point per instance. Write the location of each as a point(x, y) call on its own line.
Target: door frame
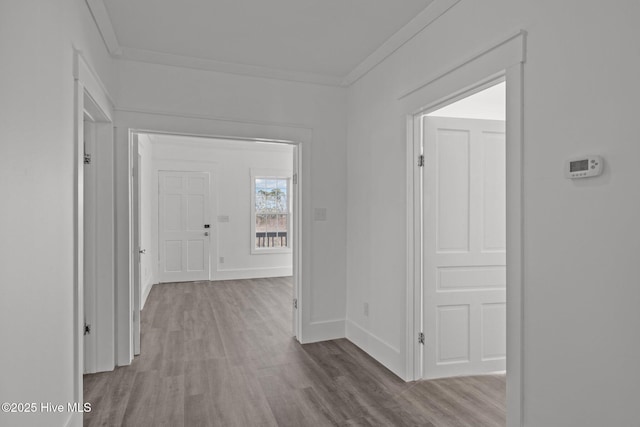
point(91, 97)
point(503, 60)
point(134, 221)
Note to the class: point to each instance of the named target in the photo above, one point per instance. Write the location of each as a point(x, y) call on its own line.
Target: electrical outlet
point(366, 309)
point(221, 260)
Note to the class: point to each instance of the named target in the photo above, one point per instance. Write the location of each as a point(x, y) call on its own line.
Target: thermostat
point(583, 167)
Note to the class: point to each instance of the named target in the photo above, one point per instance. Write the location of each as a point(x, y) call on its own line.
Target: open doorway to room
point(219, 211)
point(463, 187)
point(444, 335)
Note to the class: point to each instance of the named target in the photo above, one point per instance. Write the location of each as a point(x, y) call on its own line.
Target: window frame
point(280, 174)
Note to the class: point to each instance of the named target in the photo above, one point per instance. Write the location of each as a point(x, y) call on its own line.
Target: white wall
point(581, 237)
point(229, 164)
point(158, 97)
point(37, 183)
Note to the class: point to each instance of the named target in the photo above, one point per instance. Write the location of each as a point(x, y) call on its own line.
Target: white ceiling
point(322, 37)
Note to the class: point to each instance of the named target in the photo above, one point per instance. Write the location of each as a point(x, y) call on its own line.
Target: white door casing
point(464, 284)
point(90, 243)
point(184, 209)
point(137, 246)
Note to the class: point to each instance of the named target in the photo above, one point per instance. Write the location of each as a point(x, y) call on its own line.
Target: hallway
point(221, 353)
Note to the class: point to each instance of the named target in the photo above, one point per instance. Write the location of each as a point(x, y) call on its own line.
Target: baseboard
point(75, 420)
point(390, 356)
point(323, 331)
point(253, 273)
point(145, 294)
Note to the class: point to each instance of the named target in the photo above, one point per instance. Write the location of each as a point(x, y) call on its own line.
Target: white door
point(183, 216)
point(464, 281)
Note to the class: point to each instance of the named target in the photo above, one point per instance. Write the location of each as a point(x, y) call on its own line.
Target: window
point(271, 214)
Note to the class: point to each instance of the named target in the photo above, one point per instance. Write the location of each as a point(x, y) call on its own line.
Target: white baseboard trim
point(74, 420)
point(323, 331)
point(253, 273)
point(145, 293)
point(390, 356)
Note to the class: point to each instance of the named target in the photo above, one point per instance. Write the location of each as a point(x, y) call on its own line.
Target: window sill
point(268, 251)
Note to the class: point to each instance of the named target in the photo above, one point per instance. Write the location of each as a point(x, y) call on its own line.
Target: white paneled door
point(183, 216)
point(464, 281)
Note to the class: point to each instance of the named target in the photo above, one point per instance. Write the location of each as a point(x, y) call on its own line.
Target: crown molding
point(421, 21)
point(105, 27)
point(154, 57)
point(101, 17)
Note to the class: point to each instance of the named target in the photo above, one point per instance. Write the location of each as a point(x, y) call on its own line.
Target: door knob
point(143, 251)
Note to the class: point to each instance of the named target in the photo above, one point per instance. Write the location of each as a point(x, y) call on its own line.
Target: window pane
point(261, 231)
point(272, 223)
point(283, 223)
point(271, 212)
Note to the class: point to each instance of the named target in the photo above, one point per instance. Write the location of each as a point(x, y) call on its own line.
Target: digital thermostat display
point(579, 165)
point(583, 167)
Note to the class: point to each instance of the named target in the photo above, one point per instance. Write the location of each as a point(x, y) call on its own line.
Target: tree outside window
point(271, 212)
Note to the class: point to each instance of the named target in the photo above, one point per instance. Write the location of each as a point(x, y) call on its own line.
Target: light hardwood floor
point(221, 354)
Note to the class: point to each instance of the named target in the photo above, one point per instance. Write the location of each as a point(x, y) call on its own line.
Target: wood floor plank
point(222, 354)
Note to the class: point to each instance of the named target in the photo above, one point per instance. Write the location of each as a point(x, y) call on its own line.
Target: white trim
point(385, 353)
point(427, 16)
point(86, 83)
point(253, 273)
point(154, 122)
point(516, 240)
point(503, 60)
point(323, 331)
point(91, 81)
point(421, 21)
point(161, 58)
point(74, 420)
point(145, 294)
point(175, 114)
point(105, 27)
point(511, 48)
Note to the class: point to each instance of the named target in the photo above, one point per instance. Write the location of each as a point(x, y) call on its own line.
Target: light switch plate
point(320, 214)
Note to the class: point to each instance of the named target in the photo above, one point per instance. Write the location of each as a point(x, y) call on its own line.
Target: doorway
point(98, 229)
point(193, 219)
point(463, 187)
point(502, 61)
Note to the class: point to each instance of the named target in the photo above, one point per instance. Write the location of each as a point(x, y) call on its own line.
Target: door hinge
point(133, 172)
point(87, 329)
point(295, 178)
point(421, 338)
point(87, 159)
point(421, 160)
point(295, 303)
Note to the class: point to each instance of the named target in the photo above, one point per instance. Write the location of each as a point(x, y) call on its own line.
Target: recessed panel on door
point(195, 260)
point(494, 327)
point(453, 334)
point(494, 202)
point(173, 255)
point(453, 190)
point(195, 212)
point(184, 209)
point(469, 278)
point(172, 212)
